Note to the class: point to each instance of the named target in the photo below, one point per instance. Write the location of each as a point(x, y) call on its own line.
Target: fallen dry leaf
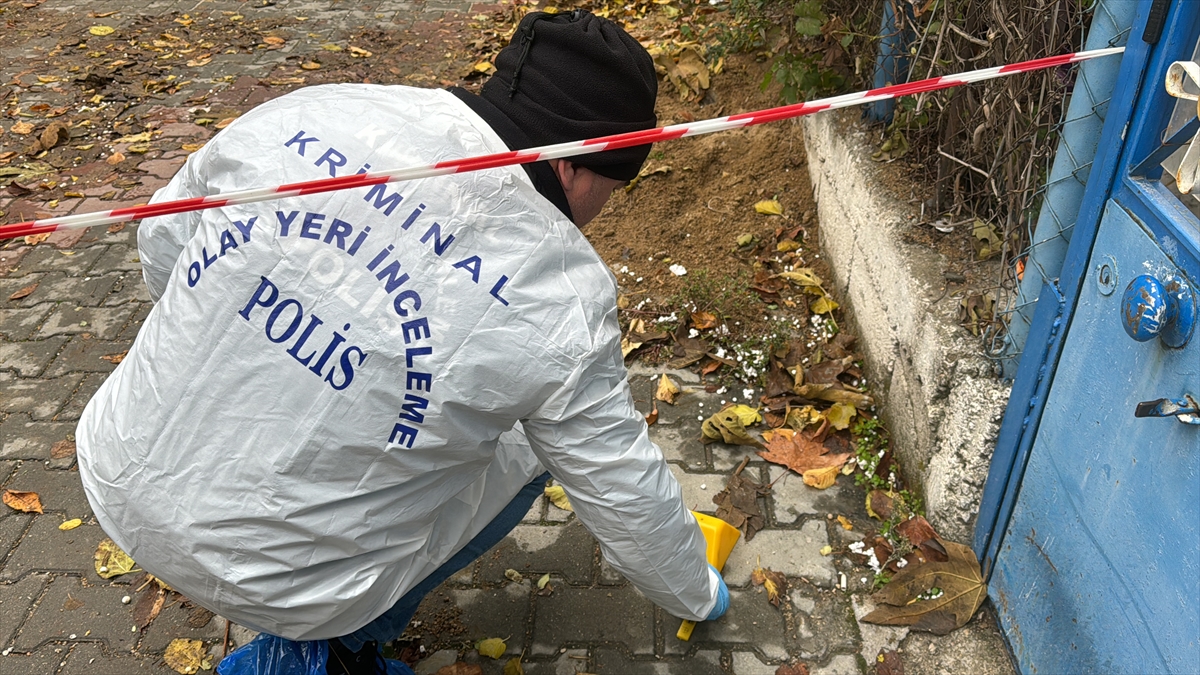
point(115, 158)
point(558, 497)
point(225, 122)
point(512, 666)
point(29, 502)
point(460, 668)
point(880, 504)
point(703, 320)
point(101, 31)
point(513, 575)
point(834, 394)
point(823, 305)
point(889, 663)
point(491, 647)
point(22, 128)
point(35, 239)
point(921, 535)
point(652, 416)
point(962, 591)
point(796, 668)
point(543, 581)
point(187, 656)
point(115, 228)
point(800, 452)
point(115, 358)
point(769, 207)
point(64, 448)
point(774, 582)
point(845, 522)
point(822, 478)
point(840, 415)
point(274, 40)
point(70, 524)
point(310, 65)
point(726, 426)
point(787, 245)
point(191, 147)
point(111, 561)
point(24, 292)
point(359, 53)
point(737, 504)
point(148, 607)
point(667, 391)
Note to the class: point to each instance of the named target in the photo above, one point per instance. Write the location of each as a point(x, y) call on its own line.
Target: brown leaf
point(24, 292)
point(17, 190)
point(115, 158)
point(779, 381)
point(839, 347)
point(148, 606)
point(799, 452)
point(920, 533)
point(115, 358)
point(115, 228)
point(71, 603)
point(796, 668)
point(62, 449)
point(53, 135)
point(962, 591)
point(889, 663)
point(880, 504)
point(703, 320)
point(835, 393)
point(199, 617)
point(652, 416)
point(737, 504)
point(29, 502)
point(460, 668)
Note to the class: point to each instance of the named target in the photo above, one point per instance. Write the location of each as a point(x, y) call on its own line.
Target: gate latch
point(1185, 409)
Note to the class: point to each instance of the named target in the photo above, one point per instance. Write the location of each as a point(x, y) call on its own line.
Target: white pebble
point(102, 569)
point(700, 417)
point(133, 629)
point(125, 600)
point(71, 636)
point(703, 486)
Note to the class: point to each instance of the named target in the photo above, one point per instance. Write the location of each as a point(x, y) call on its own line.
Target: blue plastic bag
point(271, 655)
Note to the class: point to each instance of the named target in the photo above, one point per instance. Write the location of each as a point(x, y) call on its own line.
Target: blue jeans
point(389, 625)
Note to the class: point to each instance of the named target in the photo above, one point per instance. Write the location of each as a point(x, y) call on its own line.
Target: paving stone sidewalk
point(59, 342)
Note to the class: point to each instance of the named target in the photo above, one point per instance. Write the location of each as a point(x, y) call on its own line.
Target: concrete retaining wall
point(941, 400)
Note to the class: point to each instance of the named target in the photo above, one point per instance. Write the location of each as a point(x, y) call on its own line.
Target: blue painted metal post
point(891, 63)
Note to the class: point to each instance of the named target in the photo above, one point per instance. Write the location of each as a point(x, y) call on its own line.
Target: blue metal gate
point(1090, 524)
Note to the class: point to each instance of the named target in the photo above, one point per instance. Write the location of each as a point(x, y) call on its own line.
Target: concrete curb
point(940, 397)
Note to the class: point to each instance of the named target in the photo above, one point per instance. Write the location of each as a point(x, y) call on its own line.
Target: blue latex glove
point(722, 605)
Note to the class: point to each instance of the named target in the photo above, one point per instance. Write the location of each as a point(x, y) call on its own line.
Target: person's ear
point(567, 172)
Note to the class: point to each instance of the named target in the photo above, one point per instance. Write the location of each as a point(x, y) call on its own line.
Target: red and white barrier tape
point(542, 153)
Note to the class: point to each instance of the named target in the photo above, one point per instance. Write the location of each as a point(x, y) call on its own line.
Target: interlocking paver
point(29, 358)
point(82, 354)
point(83, 291)
point(535, 549)
point(794, 500)
point(45, 548)
point(40, 398)
point(24, 438)
point(612, 662)
point(69, 611)
point(751, 620)
point(89, 658)
point(43, 662)
point(50, 259)
point(177, 621)
point(793, 553)
point(60, 491)
point(496, 612)
point(699, 488)
point(748, 663)
point(103, 322)
point(83, 393)
point(15, 602)
point(21, 323)
point(574, 616)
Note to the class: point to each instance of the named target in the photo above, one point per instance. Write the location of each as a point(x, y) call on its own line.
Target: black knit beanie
point(572, 76)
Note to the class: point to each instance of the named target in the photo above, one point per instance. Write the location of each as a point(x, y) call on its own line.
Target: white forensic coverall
point(327, 400)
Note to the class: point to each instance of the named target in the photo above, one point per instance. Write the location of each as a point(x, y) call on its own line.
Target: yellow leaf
point(47, 79)
point(140, 148)
point(492, 647)
point(101, 31)
point(846, 524)
point(35, 239)
point(310, 65)
point(21, 128)
point(330, 47)
point(821, 478)
point(359, 53)
point(513, 667)
point(191, 147)
point(746, 414)
point(840, 415)
point(668, 391)
point(543, 581)
point(769, 207)
point(627, 346)
point(787, 245)
point(70, 524)
point(184, 20)
point(803, 276)
point(513, 575)
point(826, 549)
point(558, 497)
point(29, 502)
point(726, 426)
point(112, 559)
point(823, 305)
point(187, 656)
point(137, 138)
point(484, 67)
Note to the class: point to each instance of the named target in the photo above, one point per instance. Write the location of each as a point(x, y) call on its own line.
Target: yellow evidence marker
point(720, 537)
